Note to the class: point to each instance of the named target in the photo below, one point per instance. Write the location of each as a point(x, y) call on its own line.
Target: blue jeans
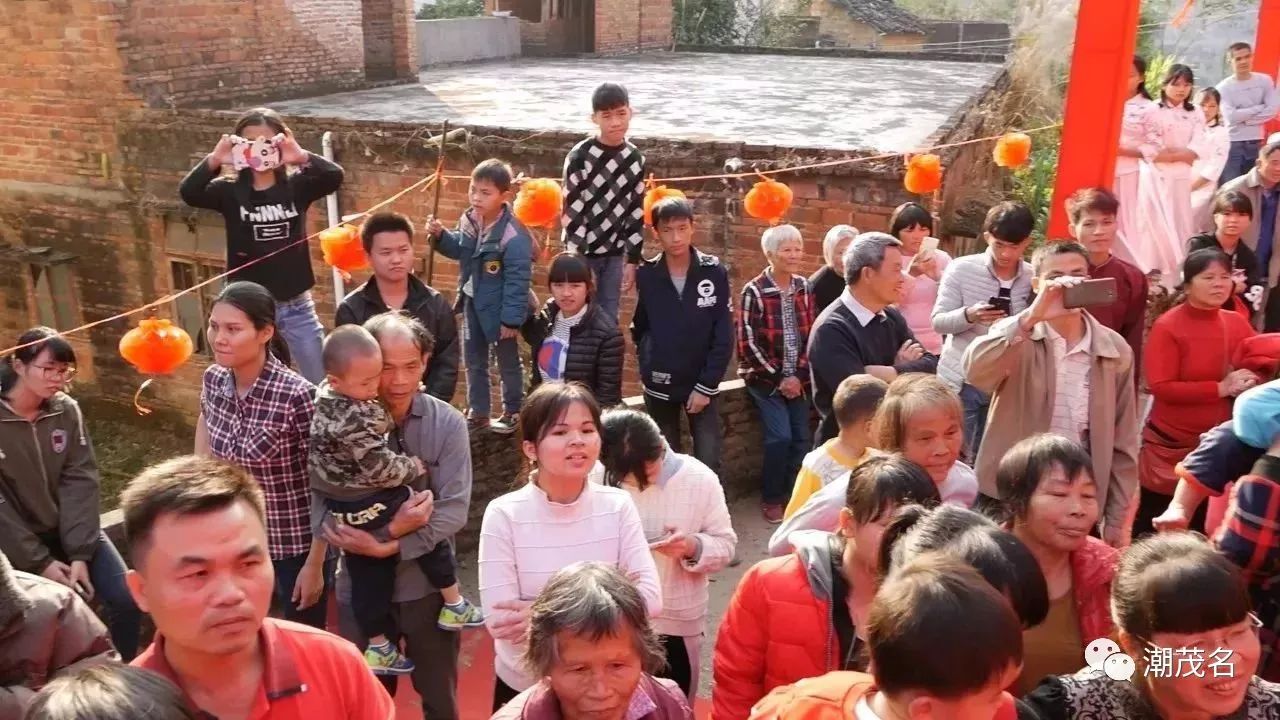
point(1240, 160)
point(297, 323)
point(976, 404)
point(608, 272)
point(786, 440)
point(287, 571)
point(106, 574)
point(476, 349)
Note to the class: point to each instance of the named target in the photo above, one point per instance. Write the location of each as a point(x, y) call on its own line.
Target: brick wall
point(498, 465)
point(382, 158)
point(624, 26)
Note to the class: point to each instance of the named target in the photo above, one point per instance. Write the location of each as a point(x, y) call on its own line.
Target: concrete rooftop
point(885, 104)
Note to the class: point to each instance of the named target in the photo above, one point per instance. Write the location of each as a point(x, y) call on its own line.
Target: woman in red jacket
point(1187, 364)
point(1047, 484)
point(805, 614)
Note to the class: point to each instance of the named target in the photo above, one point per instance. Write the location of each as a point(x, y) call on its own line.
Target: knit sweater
point(604, 199)
point(689, 498)
point(525, 538)
point(1188, 353)
point(919, 294)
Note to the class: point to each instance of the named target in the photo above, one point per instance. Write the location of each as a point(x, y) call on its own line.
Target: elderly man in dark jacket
point(45, 631)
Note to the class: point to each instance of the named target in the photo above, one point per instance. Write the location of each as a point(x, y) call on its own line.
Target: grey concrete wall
point(462, 39)
point(1202, 42)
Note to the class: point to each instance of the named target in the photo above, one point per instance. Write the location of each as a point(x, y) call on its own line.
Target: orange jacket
point(777, 629)
point(833, 697)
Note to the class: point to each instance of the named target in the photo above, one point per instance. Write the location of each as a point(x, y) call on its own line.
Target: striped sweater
point(604, 199)
point(525, 539)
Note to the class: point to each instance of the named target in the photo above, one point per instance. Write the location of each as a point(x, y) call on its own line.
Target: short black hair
point(995, 553)
point(1092, 199)
point(671, 208)
point(1177, 583)
point(609, 96)
point(393, 321)
point(857, 398)
point(1232, 201)
point(909, 215)
point(1024, 467)
point(937, 627)
point(1009, 221)
point(1203, 259)
point(570, 267)
point(495, 172)
point(888, 481)
point(381, 222)
point(344, 344)
point(1054, 249)
point(1238, 46)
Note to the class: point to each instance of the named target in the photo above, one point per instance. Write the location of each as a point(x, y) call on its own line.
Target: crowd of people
point(977, 514)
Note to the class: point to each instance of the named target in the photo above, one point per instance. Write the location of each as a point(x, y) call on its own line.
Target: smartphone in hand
point(1003, 304)
point(1090, 293)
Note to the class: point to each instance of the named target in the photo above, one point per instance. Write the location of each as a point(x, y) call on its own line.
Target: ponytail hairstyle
point(257, 303)
point(1140, 64)
point(1211, 92)
point(629, 441)
point(41, 339)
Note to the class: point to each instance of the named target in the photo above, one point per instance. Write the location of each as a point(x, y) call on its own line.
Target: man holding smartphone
point(976, 291)
point(1053, 368)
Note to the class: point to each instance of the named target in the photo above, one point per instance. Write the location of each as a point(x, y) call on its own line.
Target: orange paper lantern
point(768, 200)
point(924, 174)
point(343, 249)
point(538, 203)
point(656, 195)
point(1013, 150)
point(156, 347)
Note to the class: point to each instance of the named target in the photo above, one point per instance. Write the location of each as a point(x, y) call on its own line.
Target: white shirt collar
point(1083, 346)
point(859, 310)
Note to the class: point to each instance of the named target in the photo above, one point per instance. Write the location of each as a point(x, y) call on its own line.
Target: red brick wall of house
point(624, 26)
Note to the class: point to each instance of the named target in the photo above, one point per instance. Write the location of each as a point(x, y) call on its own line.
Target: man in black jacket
point(388, 241)
point(683, 330)
point(860, 332)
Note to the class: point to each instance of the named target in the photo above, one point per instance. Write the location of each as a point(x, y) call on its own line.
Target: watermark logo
point(1104, 655)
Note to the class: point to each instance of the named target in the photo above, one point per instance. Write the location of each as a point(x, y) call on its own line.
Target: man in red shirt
point(1092, 215)
point(196, 530)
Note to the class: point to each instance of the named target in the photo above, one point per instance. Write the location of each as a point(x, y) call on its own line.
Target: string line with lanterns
point(157, 347)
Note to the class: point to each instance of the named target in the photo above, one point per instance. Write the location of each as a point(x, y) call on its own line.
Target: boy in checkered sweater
point(604, 198)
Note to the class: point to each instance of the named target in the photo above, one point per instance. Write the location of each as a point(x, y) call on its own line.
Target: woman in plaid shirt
point(773, 339)
point(256, 413)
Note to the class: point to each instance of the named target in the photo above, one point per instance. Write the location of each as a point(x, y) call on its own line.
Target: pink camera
point(259, 155)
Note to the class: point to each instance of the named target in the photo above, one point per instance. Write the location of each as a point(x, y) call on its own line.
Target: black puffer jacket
point(595, 351)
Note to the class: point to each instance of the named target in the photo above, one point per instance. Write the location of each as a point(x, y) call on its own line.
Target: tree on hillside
point(450, 9)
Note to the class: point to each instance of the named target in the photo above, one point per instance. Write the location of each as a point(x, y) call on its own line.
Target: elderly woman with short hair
point(828, 282)
point(773, 338)
point(589, 640)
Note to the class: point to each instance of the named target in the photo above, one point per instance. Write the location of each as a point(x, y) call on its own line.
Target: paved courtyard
point(885, 104)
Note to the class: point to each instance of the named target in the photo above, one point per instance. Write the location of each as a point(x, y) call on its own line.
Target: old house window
point(195, 253)
point(53, 288)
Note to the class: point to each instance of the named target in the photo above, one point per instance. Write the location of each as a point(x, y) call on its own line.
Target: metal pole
point(331, 202)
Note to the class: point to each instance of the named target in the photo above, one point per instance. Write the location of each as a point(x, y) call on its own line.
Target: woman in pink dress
point(911, 223)
point(1138, 139)
point(1164, 191)
point(1208, 167)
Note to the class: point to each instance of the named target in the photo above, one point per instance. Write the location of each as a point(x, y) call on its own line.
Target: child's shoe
point(385, 659)
point(506, 424)
point(465, 615)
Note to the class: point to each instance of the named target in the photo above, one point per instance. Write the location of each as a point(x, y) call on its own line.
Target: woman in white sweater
point(557, 518)
point(686, 522)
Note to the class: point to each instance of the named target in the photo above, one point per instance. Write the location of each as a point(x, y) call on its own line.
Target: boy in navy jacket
point(683, 330)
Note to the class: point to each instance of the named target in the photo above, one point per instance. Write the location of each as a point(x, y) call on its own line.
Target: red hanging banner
point(1266, 47)
point(1097, 88)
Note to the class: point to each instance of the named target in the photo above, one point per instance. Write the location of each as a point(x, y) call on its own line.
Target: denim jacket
point(499, 268)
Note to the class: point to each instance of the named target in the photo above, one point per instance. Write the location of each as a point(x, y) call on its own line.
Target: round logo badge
point(493, 267)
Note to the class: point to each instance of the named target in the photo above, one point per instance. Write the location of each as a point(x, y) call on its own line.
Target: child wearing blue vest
point(495, 267)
